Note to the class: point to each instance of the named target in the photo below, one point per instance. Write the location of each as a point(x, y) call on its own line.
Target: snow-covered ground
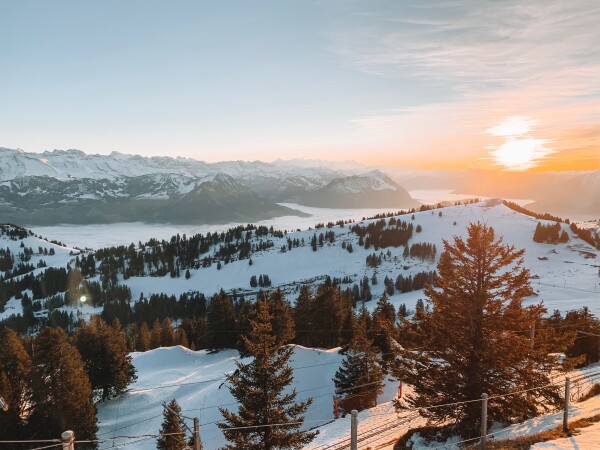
point(564, 276)
point(587, 438)
point(196, 381)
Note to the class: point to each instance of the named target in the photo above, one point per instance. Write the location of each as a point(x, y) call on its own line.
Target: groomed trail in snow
point(196, 380)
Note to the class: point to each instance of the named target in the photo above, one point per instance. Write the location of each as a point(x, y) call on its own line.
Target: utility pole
point(566, 406)
point(68, 440)
point(195, 432)
point(484, 403)
point(354, 430)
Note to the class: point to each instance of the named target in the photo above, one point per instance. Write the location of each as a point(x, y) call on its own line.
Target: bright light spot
point(512, 126)
point(519, 150)
point(83, 299)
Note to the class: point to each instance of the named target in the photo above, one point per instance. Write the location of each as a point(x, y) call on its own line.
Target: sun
point(519, 150)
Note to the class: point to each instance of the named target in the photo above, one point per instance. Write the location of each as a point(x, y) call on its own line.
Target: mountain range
point(70, 186)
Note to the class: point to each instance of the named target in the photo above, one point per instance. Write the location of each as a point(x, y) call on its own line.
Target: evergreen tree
point(472, 335)
point(167, 334)
point(61, 389)
point(220, 317)
point(105, 356)
point(383, 328)
point(359, 379)
point(181, 338)
point(283, 320)
point(143, 341)
point(303, 312)
point(156, 335)
point(172, 430)
point(245, 315)
point(15, 388)
point(586, 344)
point(265, 406)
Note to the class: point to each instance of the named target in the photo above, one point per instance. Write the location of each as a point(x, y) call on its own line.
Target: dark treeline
point(550, 234)
point(382, 234)
point(527, 212)
point(51, 381)
point(413, 283)
point(180, 253)
point(588, 236)
point(423, 251)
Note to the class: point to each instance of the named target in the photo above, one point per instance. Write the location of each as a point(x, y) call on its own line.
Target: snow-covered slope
point(564, 276)
point(196, 380)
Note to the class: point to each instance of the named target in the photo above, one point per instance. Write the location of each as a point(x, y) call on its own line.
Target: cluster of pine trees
point(262, 281)
point(50, 382)
point(180, 253)
point(382, 234)
point(318, 241)
point(550, 234)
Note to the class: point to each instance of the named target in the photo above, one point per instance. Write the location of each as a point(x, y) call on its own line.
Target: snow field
point(196, 381)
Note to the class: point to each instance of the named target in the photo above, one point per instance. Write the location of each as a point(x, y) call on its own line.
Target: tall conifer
point(258, 387)
point(474, 339)
point(172, 431)
point(359, 379)
point(15, 387)
point(62, 393)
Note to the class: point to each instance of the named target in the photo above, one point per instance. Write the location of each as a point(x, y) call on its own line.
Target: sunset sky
point(512, 85)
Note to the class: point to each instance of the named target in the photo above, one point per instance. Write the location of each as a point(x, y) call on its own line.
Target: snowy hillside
point(196, 380)
point(564, 276)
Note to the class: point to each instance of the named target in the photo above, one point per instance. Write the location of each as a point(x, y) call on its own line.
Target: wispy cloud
point(537, 58)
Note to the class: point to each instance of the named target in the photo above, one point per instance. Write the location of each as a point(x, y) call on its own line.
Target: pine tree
point(474, 339)
point(359, 379)
point(220, 317)
point(156, 335)
point(383, 328)
point(143, 341)
point(181, 338)
point(303, 310)
point(61, 389)
point(172, 430)
point(167, 334)
point(266, 405)
point(105, 356)
point(283, 321)
point(15, 387)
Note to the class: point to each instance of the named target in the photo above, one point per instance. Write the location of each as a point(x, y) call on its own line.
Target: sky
point(507, 85)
